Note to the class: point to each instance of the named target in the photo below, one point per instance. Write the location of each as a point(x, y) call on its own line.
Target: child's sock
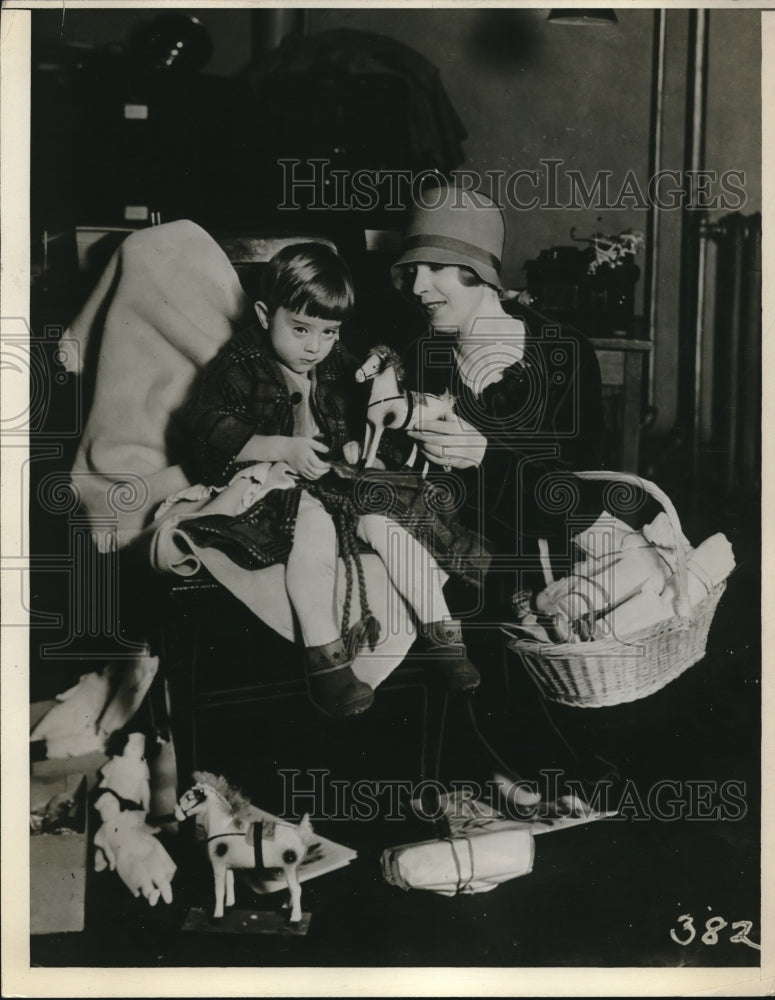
point(310, 573)
point(412, 569)
point(416, 575)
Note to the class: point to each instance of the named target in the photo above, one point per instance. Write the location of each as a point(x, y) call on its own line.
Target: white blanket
point(167, 301)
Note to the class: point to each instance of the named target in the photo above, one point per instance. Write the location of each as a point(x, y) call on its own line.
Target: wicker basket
point(608, 671)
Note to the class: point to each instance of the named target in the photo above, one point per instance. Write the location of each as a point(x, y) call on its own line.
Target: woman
point(528, 392)
point(529, 399)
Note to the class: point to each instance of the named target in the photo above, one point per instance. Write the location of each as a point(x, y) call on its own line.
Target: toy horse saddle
point(254, 837)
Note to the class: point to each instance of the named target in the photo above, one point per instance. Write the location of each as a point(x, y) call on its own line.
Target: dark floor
point(607, 894)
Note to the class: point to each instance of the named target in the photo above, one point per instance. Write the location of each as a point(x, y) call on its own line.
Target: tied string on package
point(479, 852)
point(482, 848)
point(472, 862)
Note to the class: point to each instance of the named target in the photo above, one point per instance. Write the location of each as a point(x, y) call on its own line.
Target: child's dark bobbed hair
point(308, 278)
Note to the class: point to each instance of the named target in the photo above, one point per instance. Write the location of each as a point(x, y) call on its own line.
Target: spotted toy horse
point(241, 836)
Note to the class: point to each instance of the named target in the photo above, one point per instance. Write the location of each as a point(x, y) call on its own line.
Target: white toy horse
point(391, 405)
point(239, 835)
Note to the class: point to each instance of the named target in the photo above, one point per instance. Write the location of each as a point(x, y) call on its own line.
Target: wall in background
point(732, 142)
point(734, 119)
point(529, 90)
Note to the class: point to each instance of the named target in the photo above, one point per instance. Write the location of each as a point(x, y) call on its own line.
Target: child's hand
point(352, 452)
point(352, 455)
point(302, 456)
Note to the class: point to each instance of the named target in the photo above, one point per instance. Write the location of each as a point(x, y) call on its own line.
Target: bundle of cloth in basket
point(627, 581)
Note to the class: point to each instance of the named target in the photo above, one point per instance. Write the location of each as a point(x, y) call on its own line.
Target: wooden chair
point(238, 702)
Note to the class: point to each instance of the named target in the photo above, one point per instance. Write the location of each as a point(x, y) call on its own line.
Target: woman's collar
point(494, 344)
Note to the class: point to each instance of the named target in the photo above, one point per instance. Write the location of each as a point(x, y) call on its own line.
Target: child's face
point(300, 341)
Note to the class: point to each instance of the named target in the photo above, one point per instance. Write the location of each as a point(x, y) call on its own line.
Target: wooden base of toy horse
point(246, 922)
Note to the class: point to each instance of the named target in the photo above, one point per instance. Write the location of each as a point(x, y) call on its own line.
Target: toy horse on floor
point(391, 405)
point(239, 835)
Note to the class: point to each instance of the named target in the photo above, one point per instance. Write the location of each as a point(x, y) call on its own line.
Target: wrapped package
point(610, 581)
point(475, 861)
point(707, 566)
point(621, 563)
point(640, 612)
point(660, 533)
point(604, 537)
point(627, 582)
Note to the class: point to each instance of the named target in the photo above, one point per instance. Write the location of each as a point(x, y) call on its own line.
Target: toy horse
point(391, 405)
point(241, 836)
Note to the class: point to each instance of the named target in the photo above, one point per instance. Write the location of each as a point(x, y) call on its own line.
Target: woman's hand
point(452, 443)
point(303, 456)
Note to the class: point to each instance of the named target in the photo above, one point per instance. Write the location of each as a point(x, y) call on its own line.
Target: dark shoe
point(445, 639)
point(333, 687)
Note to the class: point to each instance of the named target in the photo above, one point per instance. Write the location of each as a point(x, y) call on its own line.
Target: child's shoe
point(445, 639)
point(333, 687)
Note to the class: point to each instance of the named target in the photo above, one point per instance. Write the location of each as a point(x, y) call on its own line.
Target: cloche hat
point(455, 226)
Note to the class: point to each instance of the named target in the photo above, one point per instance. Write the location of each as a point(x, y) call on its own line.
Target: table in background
point(621, 366)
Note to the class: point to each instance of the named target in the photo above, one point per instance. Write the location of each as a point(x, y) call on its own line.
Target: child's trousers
point(311, 570)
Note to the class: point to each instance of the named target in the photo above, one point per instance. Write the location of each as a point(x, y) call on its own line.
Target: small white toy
point(127, 845)
point(128, 774)
point(239, 835)
point(391, 405)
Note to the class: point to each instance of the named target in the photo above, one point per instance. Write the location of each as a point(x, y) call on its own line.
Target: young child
point(284, 391)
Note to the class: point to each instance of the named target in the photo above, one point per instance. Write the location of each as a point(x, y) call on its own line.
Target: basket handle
point(683, 606)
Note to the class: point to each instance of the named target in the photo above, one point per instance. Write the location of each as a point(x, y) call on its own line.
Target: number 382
point(713, 925)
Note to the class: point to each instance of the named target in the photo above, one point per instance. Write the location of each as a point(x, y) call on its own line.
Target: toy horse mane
point(390, 359)
point(234, 798)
